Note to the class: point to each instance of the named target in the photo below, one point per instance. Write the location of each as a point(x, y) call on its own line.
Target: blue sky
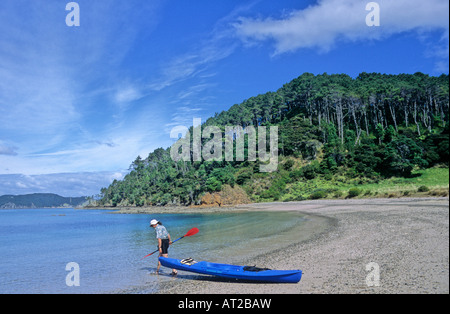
point(79, 104)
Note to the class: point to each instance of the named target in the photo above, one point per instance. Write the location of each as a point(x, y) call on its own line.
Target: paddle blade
point(191, 232)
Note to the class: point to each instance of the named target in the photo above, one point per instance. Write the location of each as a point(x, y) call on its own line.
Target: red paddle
point(188, 234)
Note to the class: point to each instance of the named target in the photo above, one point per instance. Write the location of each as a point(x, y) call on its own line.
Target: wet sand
point(407, 239)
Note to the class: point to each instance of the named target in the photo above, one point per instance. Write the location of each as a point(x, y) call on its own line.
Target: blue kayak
point(233, 271)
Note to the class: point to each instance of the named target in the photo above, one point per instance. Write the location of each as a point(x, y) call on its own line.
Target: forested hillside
point(39, 200)
point(332, 128)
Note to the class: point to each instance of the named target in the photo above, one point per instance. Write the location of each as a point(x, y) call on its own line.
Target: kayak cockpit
point(254, 269)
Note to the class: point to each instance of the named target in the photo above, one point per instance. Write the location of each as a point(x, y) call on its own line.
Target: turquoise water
point(37, 244)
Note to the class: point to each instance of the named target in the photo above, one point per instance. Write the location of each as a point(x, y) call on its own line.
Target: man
point(163, 241)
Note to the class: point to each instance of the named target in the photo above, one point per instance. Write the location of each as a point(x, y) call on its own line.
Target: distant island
point(39, 200)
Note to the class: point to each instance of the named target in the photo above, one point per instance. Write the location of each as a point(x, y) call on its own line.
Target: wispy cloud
point(36, 88)
point(323, 25)
point(127, 94)
point(62, 90)
point(192, 72)
point(192, 64)
point(93, 155)
point(87, 183)
point(7, 150)
point(198, 58)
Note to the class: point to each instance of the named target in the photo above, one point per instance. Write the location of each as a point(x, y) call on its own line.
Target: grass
point(427, 182)
point(433, 182)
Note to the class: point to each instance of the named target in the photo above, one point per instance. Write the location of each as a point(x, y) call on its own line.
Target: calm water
point(37, 244)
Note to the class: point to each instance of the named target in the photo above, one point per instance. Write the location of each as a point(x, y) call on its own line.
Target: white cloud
point(8, 150)
point(191, 73)
point(63, 95)
point(321, 26)
point(65, 184)
point(127, 94)
point(198, 58)
point(192, 64)
point(36, 88)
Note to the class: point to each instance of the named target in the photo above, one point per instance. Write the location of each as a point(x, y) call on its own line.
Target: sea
point(59, 251)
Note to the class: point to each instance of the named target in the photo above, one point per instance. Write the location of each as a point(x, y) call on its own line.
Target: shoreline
point(407, 238)
point(249, 206)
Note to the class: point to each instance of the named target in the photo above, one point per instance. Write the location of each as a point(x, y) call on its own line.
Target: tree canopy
point(376, 125)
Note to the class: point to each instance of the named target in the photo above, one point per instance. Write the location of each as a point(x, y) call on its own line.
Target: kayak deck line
point(251, 273)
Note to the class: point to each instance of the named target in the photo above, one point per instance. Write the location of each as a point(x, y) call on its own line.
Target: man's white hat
point(153, 222)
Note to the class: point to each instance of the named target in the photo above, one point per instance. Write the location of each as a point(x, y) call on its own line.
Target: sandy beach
point(405, 241)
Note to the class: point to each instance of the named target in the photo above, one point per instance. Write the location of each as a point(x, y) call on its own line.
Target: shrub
point(288, 164)
point(318, 195)
point(243, 177)
point(354, 192)
point(276, 190)
point(213, 185)
point(309, 171)
point(295, 175)
point(423, 188)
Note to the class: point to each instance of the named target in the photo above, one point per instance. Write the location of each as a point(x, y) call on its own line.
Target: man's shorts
point(165, 246)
